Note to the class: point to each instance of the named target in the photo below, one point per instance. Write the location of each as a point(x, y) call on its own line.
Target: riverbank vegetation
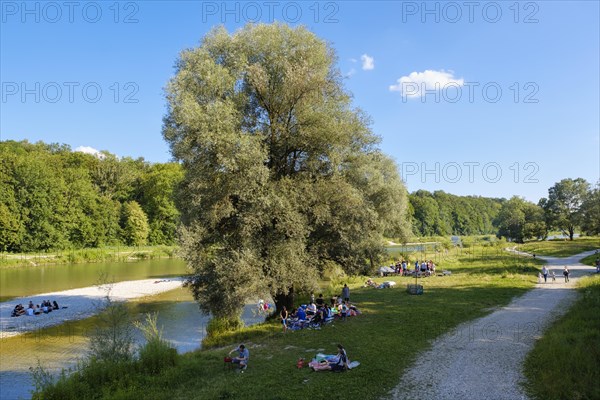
point(386, 338)
point(564, 362)
point(88, 255)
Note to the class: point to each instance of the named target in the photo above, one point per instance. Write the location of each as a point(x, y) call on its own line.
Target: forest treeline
point(441, 214)
point(54, 198)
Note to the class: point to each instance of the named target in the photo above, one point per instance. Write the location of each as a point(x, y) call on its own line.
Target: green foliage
point(134, 224)
point(218, 326)
point(112, 339)
point(563, 207)
point(281, 173)
point(519, 220)
point(590, 212)
point(52, 198)
point(444, 214)
point(157, 354)
point(564, 362)
point(42, 379)
point(390, 319)
point(157, 191)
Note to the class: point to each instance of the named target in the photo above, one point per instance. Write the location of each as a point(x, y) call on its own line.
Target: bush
point(157, 353)
point(217, 326)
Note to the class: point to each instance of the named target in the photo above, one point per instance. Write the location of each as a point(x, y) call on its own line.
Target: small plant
point(112, 340)
point(157, 353)
point(42, 379)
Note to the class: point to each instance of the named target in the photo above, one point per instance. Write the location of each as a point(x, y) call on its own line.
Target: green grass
point(393, 329)
point(90, 255)
point(565, 363)
point(590, 260)
point(561, 247)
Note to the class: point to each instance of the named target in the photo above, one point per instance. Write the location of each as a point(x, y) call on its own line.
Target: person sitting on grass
point(311, 310)
point(242, 358)
point(341, 361)
point(301, 314)
point(320, 301)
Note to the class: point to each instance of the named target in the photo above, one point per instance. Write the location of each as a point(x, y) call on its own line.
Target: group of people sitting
point(34, 309)
point(425, 267)
point(317, 313)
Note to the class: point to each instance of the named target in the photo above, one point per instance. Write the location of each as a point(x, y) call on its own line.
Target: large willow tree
point(282, 175)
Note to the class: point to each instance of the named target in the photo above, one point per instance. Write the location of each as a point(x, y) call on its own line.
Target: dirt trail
point(483, 359)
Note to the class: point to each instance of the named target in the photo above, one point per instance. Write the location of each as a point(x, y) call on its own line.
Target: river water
point(61, 346)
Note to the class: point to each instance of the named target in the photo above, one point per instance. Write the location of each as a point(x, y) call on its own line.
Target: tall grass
point(565, 363)
point(90, 255)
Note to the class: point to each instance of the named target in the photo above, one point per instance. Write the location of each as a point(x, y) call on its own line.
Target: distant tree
point(590, 212)
point(157, 198)
point(426, 214)
point(563, 205)
point(134, 224)
point(519, 220)
point(442, 213)
point(11, 224)
point(117, 178)
point(282, 175)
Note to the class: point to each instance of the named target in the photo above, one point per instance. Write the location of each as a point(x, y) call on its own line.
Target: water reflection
point(19, 282)
point(61, 346)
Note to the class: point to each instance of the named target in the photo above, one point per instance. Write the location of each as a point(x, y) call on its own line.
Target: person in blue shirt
point(243, 356)
point(301, 314)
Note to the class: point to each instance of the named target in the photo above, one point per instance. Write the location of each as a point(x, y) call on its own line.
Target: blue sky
point(92, 74)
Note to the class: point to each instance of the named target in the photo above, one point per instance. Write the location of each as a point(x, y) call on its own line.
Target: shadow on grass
point(386, 339)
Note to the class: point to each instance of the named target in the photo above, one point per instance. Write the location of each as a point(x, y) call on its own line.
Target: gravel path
point(482, 359)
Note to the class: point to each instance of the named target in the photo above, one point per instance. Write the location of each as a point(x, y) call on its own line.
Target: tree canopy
point(563, 207)
point(54, 198)
point(441, 214)
point(519, 220)
point(282, 174)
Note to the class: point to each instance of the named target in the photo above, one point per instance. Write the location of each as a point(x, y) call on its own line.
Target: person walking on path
point(545, 273)
point(566, 274)
point(553, 277)
point(346, 293)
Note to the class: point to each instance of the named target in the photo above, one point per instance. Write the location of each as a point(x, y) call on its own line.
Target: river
point(61, 346)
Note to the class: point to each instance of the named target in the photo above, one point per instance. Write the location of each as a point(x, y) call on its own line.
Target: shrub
point(157, 353)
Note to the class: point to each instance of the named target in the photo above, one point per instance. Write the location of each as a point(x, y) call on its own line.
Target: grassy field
point(565, 363)
point(590, 260)
point(103, 254)
point(393, 328)
point(561, 247)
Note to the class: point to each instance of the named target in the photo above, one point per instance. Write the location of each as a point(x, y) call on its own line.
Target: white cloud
point(90, 150)
point(350, 73)
point(415, 84)
point(368, 62)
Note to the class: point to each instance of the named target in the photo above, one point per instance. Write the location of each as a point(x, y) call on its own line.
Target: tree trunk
point(571, 232)
point(284, 299)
